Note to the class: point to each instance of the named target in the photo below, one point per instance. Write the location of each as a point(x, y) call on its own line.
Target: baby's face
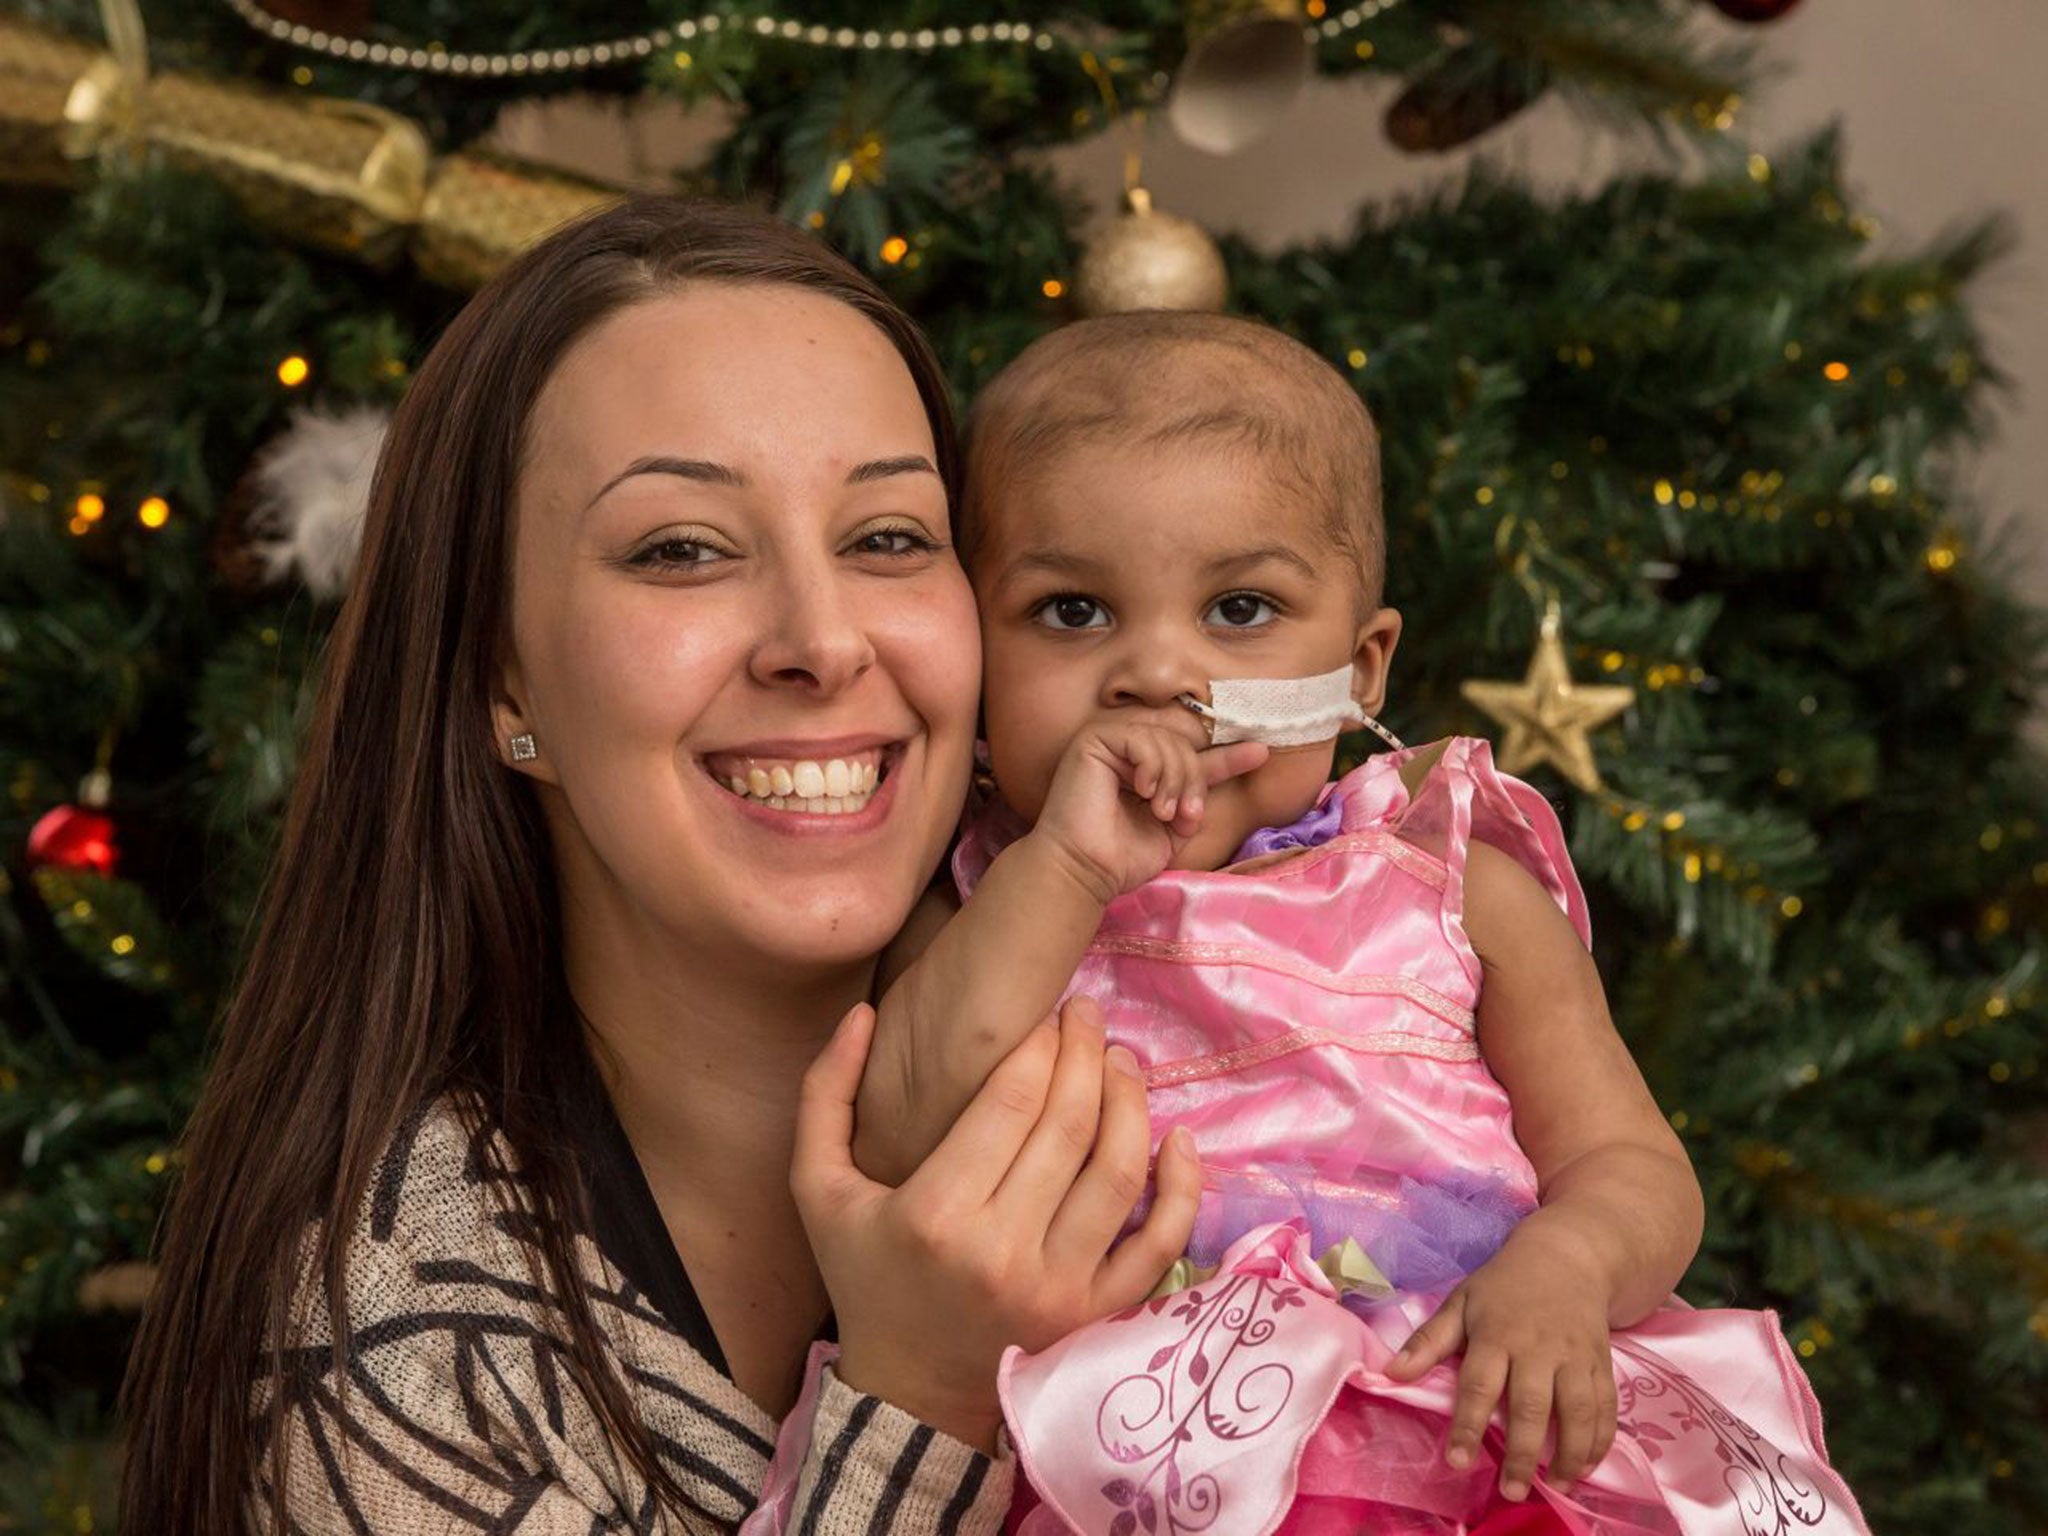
point(1112, 580)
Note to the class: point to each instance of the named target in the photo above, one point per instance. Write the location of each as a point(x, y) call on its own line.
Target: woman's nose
point(813, 637)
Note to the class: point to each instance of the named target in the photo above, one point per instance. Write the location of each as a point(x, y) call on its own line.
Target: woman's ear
point(519, 745)
point(1372, 657)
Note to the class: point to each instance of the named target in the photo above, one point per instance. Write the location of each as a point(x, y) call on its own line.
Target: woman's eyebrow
point(702, 471)
point(882, 469)
point(705, 472)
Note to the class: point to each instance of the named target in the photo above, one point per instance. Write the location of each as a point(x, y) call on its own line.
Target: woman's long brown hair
point(410, 945)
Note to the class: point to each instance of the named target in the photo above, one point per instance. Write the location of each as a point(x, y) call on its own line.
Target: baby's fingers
point(1480, 1379)
point(1206, 769)
point(1531, 1389)
point(1578, 1421)
point(1442, 1336)
point(1141, 752)
point(1238, 757)
point(1180, 780)
point(1176, 781)
point(1605, 1410)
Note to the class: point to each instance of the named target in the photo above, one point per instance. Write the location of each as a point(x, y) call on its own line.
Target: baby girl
point(1441, 1215)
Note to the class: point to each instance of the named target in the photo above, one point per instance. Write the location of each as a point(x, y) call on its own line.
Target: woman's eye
point(1069, 611)
point(678, 552)
point(1241, 610)
point(893, 541)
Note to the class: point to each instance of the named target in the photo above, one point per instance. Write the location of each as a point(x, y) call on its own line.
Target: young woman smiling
point(520, 1189)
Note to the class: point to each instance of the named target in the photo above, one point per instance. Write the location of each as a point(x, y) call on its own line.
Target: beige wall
point(1946, 117)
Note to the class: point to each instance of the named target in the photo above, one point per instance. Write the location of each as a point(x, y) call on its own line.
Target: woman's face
point(739, 636)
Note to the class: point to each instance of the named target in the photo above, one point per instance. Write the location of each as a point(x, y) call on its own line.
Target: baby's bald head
point(1157, 378)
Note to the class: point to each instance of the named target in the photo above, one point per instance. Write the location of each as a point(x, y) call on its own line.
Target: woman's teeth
point(835, 787)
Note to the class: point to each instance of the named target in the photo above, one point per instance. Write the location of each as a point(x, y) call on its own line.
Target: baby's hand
point(1532, 1320)
point(1127, 796)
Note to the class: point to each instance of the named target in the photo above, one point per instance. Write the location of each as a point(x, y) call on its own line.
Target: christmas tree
point(1668, 518)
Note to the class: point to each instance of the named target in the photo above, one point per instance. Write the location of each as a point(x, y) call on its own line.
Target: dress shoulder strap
point(1457, 796)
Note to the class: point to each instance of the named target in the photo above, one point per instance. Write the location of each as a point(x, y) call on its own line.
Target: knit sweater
point(458, 1412)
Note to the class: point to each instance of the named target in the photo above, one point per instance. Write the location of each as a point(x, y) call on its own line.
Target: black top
point(630, 1230)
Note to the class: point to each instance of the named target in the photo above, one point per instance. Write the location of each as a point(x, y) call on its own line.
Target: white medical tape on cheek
point(1279, 711)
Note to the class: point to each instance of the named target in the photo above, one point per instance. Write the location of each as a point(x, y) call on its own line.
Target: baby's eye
point(1240, 610)
point(1070, 610)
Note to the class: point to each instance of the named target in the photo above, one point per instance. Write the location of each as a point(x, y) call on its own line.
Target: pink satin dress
point(1311, 1018)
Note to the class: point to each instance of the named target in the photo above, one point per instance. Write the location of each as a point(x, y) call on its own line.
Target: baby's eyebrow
point(1265, 554)
point(1059, 562)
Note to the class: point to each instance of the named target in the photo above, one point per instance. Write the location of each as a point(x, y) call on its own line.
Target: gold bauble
point(1246, 62)
point(1150, 260)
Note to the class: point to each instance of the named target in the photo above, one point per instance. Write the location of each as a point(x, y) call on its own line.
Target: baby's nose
point(1151, 679)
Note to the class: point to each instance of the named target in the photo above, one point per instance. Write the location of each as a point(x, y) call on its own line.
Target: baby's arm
point(1615, 1181)
point(1620, 1215)
point(977, 981)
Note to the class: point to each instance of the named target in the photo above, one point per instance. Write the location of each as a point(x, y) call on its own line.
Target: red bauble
point(72, 837)
point(1753, 10)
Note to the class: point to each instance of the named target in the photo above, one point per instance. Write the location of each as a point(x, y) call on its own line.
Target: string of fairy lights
point(1321, 27)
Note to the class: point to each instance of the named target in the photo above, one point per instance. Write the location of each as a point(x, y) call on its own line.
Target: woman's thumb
point(824, 1111)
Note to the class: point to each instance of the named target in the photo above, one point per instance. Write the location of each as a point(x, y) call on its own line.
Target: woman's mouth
point(841, 785)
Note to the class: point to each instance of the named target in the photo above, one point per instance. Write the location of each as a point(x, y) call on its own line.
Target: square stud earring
point(523, 749)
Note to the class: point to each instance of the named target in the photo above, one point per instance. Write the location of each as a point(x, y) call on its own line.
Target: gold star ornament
point(1547, 716)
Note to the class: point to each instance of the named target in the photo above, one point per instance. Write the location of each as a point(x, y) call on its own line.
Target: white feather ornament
point(312, 492)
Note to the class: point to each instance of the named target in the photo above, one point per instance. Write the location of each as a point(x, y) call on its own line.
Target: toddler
point(1441, 1214)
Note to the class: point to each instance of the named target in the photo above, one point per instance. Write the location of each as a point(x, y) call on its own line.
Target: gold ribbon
point(1347, 1267)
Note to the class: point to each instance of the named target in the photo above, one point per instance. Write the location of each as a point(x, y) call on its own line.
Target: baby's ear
point(1372, 657)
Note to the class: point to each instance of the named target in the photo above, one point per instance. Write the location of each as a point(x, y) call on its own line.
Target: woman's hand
point(1532, 1321)
point(1004, 1234)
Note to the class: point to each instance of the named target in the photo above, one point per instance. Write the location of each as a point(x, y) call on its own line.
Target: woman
point(487, 1209)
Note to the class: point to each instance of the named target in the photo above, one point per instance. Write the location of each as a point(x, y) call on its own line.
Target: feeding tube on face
point(1283, 711)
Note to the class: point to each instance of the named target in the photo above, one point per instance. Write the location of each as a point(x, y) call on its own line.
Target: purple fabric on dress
point(1316, 826)
point(1424, 1236)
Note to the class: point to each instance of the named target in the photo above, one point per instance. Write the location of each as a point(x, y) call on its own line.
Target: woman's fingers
point(1044, 1168)
point(821, 1168)
point(969, 1164)
point(1092, 1207)
point(1134, 1266)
